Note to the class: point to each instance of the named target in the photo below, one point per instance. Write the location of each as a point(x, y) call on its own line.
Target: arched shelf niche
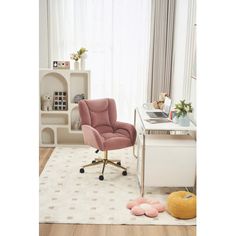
point(53, 82)
point(47, 136)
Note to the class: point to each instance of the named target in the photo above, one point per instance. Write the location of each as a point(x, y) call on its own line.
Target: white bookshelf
point(56, 127)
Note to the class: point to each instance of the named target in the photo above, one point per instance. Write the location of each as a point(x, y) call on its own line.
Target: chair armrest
point(129, 128)
point(92, 137)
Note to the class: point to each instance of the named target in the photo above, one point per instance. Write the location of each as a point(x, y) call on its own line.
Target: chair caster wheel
point(119, 163)
point(124, 173)
point(101, 177)
point(93, 161)
point(81, 170)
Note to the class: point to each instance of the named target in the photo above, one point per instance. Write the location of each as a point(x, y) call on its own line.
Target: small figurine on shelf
point(78, 97)
point(46, 102)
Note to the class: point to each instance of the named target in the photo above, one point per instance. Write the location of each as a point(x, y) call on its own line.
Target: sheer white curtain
point(116, 34)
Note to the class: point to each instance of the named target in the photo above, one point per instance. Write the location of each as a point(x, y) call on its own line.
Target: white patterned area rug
point(67, 196)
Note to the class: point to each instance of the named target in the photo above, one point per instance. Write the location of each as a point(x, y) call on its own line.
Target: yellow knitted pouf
point(182, 204)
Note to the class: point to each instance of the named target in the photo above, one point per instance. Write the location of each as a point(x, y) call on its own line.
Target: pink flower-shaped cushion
point(143, 206)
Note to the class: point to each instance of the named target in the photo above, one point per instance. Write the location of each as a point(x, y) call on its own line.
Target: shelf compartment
point(64, 137)
point(47, 136)
point(52, 82)
point(54, 119)
point(78, 85)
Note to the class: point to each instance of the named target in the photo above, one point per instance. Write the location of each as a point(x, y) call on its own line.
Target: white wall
point(43, 34)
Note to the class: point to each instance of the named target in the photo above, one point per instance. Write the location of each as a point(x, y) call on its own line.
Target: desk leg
point(135, 141)
point(143, 167)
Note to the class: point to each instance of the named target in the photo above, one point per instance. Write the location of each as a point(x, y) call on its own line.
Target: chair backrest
point(98, 113)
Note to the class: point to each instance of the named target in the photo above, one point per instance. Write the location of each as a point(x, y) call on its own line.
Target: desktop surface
point(162, 124)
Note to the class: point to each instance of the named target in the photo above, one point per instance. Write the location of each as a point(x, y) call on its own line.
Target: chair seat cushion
point(116, 140)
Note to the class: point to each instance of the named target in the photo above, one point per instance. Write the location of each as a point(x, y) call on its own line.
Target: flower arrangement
point(182, 108)
point(74, 56)
point(77, 55)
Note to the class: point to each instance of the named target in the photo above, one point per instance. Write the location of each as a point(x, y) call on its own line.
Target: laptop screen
point(167, 105)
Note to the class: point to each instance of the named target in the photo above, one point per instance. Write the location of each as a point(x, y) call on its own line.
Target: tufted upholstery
point(100, 128)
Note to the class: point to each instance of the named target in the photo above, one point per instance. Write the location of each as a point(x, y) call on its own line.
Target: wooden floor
point(106, 230)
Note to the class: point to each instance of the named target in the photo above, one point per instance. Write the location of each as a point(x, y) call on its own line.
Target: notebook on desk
point(161, 114)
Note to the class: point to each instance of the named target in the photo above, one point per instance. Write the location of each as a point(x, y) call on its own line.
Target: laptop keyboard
point(157, 115)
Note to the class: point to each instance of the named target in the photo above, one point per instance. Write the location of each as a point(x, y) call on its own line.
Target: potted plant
point(81, 54)
point(181, 110)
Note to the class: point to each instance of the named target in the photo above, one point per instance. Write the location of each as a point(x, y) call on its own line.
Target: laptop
point(165, 111)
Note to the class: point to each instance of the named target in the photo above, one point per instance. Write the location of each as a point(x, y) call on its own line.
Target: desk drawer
point(170, 160)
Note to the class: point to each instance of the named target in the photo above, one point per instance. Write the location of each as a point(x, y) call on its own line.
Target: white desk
point(149, 149)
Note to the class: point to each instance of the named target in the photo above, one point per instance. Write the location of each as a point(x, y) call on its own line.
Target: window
point(116, 34)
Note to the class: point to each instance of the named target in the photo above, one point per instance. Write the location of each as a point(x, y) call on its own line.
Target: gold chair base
point(105, 161)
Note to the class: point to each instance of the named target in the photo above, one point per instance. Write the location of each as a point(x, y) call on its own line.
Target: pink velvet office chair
point(103, 132)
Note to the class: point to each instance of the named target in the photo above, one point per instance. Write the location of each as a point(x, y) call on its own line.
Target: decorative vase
point(76, 65)
point(184, 121)
point(82, 64)
point(83, 58)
